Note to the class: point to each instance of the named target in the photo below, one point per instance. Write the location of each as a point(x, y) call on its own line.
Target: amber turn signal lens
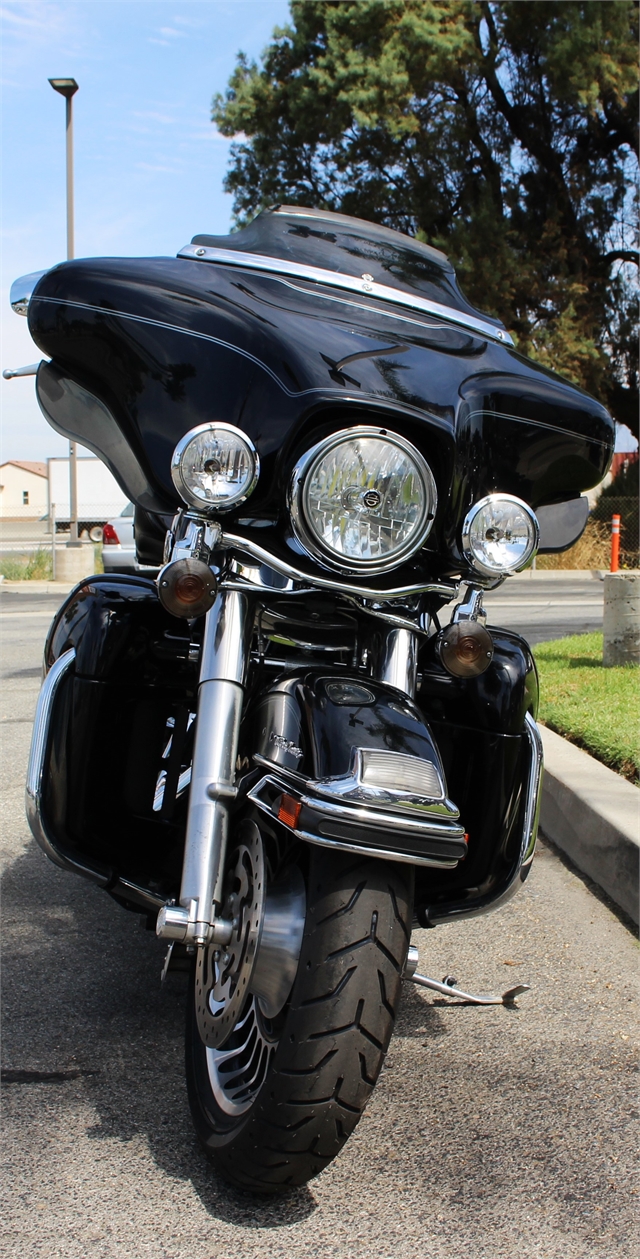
point(187, 588)
point(289, 811)
point(465, 649)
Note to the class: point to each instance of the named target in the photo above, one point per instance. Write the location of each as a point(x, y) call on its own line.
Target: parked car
point(119, 545)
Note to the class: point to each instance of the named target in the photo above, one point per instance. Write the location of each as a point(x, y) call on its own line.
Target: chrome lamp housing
point(215, 467)
point(362, 500)
point(500, 535)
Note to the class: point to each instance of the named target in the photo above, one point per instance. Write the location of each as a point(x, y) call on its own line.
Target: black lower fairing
point(133, 682)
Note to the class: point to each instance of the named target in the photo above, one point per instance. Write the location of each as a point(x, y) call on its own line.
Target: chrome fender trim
point(376, 821)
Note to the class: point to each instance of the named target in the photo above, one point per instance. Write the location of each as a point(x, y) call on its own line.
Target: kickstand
point(449, 988)
point(449, 985)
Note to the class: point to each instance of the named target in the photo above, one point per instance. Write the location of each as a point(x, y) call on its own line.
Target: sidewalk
point(592, 815)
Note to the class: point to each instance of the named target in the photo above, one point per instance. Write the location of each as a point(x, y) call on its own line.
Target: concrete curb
point(39, 587)
point(557, 574)
point(592, 815)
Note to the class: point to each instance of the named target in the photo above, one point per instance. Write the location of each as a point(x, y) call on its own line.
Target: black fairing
point(145, 349)
point(131, 674)
point(477, 724)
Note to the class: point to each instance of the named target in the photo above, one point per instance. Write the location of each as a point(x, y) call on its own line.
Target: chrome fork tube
point(397, 660)
point(223, 666)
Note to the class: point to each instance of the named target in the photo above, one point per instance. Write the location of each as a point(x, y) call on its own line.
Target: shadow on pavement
point(85, 1016)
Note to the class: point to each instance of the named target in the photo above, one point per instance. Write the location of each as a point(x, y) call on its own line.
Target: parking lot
point(492, 1133)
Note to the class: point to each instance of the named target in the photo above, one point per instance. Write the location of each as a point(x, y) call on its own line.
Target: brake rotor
point(223, 975)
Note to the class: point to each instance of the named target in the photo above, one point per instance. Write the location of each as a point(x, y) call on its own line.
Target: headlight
point(363, 500)
point(215, 467)
point(499, 535)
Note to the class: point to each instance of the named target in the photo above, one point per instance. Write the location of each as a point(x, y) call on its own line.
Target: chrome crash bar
point(34, 803)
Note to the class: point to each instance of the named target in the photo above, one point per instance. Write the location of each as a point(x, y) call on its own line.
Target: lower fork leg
point(225, 653)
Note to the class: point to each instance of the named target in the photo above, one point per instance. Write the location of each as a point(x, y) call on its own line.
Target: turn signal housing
point(465, 649)
point(187, 588)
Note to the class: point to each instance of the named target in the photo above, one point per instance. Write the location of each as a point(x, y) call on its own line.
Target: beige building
point(24, 490)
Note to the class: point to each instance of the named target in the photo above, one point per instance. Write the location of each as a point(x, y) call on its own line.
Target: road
point(544, 606)
point(493, 1133)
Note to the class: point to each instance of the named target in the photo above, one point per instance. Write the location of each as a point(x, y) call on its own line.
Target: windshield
point(350, 246)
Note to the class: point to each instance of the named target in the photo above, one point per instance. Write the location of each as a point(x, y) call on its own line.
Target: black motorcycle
point(314, 741)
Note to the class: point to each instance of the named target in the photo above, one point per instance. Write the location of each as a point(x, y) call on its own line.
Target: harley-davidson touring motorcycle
point(315, 741)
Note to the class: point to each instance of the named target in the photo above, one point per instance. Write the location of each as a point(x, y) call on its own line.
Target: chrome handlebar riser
point(193, 538)
point(470, 609)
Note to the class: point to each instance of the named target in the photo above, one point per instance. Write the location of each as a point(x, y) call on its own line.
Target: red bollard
point(615, 543)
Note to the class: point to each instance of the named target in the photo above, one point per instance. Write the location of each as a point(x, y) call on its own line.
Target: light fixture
point(362, 500)
point(500, 535)
point(215, 467)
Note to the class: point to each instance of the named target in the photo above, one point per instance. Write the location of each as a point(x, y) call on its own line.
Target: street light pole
point(68, 89)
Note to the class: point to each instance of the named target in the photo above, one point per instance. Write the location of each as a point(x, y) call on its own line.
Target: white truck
point(99, 495)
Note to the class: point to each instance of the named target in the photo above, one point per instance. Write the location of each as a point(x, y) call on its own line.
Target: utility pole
point(68, 89)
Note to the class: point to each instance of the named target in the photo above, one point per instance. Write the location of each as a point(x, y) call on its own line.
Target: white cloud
point(172, 32)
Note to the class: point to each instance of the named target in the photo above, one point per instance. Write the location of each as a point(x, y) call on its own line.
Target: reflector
point(289, 811)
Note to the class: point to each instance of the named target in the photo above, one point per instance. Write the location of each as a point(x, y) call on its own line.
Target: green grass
point(38, 566)
point(596, 708)
point(35, 567)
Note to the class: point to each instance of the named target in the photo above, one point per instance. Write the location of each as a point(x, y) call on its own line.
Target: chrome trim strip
point(368, 817)
point(355, 284)
point(35, 772)
point(385, 854)
point(534, 791)
point(354, 813)
point(233, 541)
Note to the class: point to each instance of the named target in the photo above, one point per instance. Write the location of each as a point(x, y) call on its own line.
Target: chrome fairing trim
point(522, 865)
point(376, 822)
point(35, 773)
point(355, 284)
point(21, 291)
point(409, 809)
point(235, 542)
point(534, 791)
point(385, 854)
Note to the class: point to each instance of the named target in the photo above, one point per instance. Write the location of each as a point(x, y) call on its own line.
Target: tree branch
point(621, 255)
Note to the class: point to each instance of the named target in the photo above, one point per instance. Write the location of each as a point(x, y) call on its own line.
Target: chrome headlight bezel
point(300, 480)
point(481, 566)
point(184, 490)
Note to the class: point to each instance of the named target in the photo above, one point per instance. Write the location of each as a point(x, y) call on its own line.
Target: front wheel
point(277, 1102)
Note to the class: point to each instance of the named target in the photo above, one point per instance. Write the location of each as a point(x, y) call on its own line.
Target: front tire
point(322, 1058)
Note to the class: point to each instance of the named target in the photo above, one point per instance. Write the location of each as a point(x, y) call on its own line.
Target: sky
point(149, 164)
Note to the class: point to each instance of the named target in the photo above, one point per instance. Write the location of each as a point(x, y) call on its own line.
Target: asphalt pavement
point(493, 1133)
point(543, 605)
